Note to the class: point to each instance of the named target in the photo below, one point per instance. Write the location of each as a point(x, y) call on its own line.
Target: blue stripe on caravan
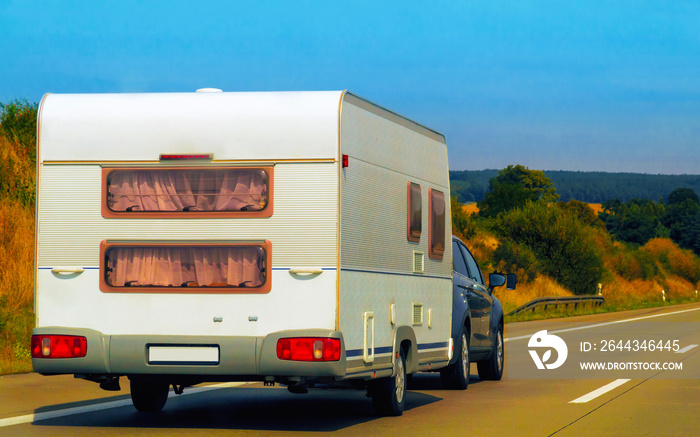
point(377, 351)
point(432, 345)
point(387, 349)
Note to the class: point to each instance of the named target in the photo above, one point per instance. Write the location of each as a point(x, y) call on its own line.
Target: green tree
point(563, 246)
point(680, 194)
point(636, 221)
point(580, 210)
point(513, 187)
point(683, 219)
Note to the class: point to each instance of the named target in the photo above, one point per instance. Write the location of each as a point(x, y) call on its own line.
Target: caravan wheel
point(149, 397)
point(389, 394)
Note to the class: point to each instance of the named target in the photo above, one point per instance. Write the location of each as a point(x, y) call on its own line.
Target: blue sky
point(554, 85)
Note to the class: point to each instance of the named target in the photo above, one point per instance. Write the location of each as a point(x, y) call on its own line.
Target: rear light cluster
point(308, 349)
point(58, 346)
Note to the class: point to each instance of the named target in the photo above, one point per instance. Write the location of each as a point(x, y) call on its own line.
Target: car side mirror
point(511, 281)
point(496, 280)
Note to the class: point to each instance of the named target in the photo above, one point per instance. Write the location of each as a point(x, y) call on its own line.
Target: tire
point(492, 369)
point(409, 381)
point(149, 397)
point(389, 394)
point(456, 376)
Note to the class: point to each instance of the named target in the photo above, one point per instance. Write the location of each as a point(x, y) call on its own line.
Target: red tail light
point(58, 346)
point(308, 349)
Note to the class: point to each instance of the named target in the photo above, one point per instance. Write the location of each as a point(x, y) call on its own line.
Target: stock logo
point(546, 341)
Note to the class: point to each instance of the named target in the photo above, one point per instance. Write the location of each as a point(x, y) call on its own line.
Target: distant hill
point(592, 187)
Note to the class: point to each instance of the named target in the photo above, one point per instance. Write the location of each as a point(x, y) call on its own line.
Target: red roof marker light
point(164, 157)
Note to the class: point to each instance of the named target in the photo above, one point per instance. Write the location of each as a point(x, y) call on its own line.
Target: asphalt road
point(648, 405)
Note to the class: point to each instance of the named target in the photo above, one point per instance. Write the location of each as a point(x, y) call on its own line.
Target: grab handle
point(67, 270)
point(305, 270)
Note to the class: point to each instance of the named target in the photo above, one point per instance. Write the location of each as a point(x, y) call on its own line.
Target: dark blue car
point(477, 320)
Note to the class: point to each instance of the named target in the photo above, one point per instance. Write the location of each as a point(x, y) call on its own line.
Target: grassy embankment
point(633, 276)
point(17, 182)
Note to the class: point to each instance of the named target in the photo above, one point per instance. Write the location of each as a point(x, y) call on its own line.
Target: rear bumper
point(239, 357)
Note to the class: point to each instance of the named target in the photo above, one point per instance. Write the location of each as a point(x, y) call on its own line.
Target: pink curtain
point(185, 266)
point(187, 190)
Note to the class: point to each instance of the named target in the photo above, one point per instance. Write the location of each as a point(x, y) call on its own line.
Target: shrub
point(581, 210)
point(677, 261)
point(565, 247)
point(518, 258)
point(634, 264)
point(463, 225)
point(18, 124)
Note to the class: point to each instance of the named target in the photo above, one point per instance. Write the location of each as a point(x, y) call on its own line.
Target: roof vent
point(209, 90)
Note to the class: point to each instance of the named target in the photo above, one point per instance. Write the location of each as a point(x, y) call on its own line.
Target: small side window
point(415, 212)
point(437, 224)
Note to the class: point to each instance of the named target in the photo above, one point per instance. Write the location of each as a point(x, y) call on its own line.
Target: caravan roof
point(237, 126)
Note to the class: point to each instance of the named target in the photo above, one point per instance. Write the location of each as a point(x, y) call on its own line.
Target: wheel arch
point(405, 339)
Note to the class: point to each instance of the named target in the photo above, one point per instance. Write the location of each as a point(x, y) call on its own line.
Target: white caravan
point(297, 238)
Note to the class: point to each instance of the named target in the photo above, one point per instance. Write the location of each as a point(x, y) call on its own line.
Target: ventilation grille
point(417, 313)
point(418, 262)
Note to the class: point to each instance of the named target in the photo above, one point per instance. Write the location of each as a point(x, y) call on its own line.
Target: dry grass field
point(16, 258)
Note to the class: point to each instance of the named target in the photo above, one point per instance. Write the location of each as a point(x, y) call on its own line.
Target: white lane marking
point(35, 417)
point(686, 349)
point(523, 337)
point(598, 392)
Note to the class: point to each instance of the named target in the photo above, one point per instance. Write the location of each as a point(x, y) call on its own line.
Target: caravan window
point(415, 212)
point(187, 192)
point(185, 268)
point(437, 224)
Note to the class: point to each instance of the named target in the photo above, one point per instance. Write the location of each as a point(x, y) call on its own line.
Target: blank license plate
point(183, 355)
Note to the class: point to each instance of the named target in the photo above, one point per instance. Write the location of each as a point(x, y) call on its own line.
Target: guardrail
point(561, 300)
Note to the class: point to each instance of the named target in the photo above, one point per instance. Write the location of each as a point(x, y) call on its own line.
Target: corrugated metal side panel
point(302, 229)
point(371, 134)
point(374, 196)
